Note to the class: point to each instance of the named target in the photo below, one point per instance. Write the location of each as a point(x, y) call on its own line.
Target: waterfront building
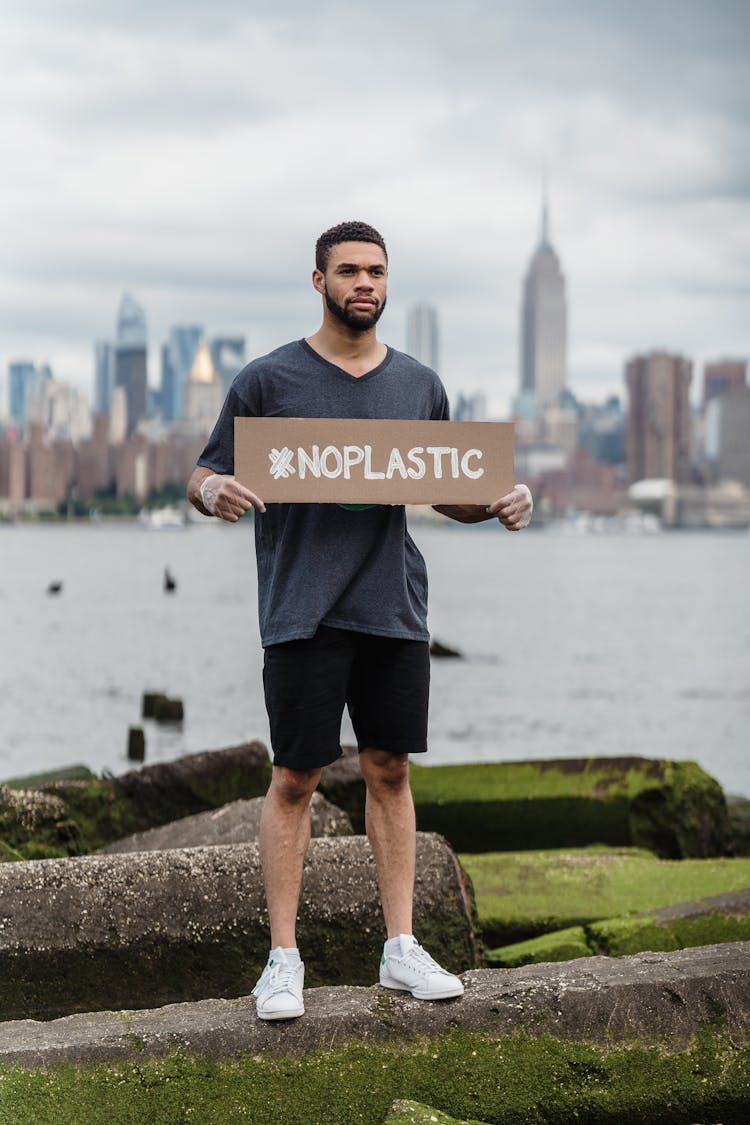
point(469, 408)
point(658, 416)
point(204, 391)
point(104, 375)
point(422, 334)
point(544, 323)
point(228, 357)
point(728, 435)
point(177, 358)
point(131, 359)
point(62, 410)
point(24, 380)
point(721, 375)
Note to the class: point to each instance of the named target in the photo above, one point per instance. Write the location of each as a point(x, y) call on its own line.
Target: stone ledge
point(651, 998)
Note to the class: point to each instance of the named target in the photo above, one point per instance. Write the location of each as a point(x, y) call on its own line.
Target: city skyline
point(163, 156)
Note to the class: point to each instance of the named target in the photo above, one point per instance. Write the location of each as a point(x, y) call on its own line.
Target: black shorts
point(384, 681)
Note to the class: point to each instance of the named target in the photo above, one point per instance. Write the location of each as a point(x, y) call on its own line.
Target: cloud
point(192, 154)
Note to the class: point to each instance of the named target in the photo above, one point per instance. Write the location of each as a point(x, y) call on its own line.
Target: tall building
point(544, 323)
point(130, 359)
point(62, 411)
point(25, 379)
point(177, 358)
point(204, 391)
point(728, 435)
point(422, 334)
point(722, 374)
point(469, 408)
point(228, 355)
point(104, 376)
point(659, 417)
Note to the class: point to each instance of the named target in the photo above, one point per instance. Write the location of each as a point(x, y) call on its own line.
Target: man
point(342, 602)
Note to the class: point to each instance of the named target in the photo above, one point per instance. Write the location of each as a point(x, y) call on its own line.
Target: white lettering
point(328, 452)
point(475, 474)
point(353, 455)
point(396, 464)
point(370, 473)
point(454, 463)
point(418, 462)
point(438, 452)
point(306, 461)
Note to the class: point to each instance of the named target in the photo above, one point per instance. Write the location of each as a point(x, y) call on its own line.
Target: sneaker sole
point(446, 994)
point(288, 1015)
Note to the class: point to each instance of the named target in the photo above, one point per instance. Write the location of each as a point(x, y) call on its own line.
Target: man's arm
point(218, 494)
point(513, 510)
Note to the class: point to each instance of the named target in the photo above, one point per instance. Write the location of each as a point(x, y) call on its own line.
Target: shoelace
point(422, 957)
point(281, 976)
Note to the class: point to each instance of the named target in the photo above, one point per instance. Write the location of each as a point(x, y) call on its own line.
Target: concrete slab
point(657, 999)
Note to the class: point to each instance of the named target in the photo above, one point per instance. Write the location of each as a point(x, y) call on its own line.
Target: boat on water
point(162, 519)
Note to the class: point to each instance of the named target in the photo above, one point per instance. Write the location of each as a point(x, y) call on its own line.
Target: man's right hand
point(223, 496)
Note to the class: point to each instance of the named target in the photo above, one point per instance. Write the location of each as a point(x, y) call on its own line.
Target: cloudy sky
point(190, 153)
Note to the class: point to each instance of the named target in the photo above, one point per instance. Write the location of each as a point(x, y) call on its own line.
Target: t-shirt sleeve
point(441, 411)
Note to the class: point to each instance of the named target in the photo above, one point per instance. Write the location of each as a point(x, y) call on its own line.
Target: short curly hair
point(353, 231)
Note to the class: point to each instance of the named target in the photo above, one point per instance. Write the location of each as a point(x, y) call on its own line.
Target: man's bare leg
point(284, 839)
point(391, 828)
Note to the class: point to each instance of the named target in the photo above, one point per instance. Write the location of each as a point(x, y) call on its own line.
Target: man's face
point(354, 284)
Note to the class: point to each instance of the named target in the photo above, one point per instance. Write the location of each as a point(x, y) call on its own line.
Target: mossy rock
point(85, 814)
point(37, 780)
point(739, 824)
point(672, 808)
point(520, 895)
point(562, 945)
point(717, 919)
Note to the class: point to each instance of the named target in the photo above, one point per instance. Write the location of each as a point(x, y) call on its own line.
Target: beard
point(357, 321)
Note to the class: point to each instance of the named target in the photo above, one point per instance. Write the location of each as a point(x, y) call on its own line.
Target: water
point(574, 644)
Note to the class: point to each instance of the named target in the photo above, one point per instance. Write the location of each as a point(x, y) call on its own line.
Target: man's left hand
point(514, 510)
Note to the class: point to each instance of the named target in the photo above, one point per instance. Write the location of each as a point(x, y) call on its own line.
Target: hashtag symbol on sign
point(281, 462)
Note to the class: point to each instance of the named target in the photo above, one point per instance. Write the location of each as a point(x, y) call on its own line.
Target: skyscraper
point(722, 374)
point(104, 376)
point(130, 359)
point(178, 356)
point(228, 355)
point(544, 323)
point(204, 390)
point(25, 379)
point(422, 334)
point(659, 416)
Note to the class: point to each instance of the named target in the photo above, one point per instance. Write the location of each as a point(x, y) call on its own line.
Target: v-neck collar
point(333, 367)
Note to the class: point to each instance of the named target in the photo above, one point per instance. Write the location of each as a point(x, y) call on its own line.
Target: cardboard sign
point(366, 461)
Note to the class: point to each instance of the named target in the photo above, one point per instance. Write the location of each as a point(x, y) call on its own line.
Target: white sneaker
point(278, 993)
point(416, 972)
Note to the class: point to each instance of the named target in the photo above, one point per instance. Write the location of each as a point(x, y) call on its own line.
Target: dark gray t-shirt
point(320, 564)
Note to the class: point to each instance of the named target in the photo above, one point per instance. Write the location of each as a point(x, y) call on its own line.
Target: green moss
point(514, 1079)
point(673, 808)
point(563, 945)
point(34, 780)
point(520, 895)
point(620, 937)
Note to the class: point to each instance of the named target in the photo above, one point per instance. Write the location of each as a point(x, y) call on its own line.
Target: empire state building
point(543, 323)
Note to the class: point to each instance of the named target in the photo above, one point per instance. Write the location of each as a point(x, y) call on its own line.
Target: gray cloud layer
point(192, 154)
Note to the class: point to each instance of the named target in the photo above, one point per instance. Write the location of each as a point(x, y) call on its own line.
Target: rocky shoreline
point(133, 925)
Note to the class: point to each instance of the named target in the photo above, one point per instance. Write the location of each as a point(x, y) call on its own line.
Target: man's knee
point(384, 772)
point(294, 786)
